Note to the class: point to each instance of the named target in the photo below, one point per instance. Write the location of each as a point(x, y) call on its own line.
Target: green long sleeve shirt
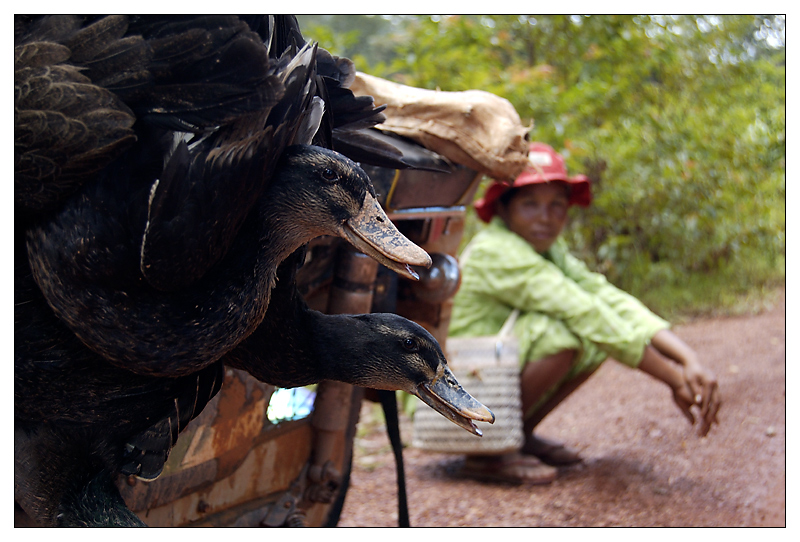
point(562, 304)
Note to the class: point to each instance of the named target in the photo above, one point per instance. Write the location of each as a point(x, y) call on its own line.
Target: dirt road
point(644, 465)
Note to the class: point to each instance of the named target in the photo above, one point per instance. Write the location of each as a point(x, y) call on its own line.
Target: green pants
point(541, 336)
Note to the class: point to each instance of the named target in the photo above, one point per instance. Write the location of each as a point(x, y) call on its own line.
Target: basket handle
point(505, 331)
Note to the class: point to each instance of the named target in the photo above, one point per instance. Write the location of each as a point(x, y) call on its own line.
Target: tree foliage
point(679, 121)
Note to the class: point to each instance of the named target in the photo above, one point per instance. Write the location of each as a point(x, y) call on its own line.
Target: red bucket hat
point(545, 165)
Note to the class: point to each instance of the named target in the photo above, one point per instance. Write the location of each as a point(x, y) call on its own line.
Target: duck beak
point(373, 233)
point(446, 396)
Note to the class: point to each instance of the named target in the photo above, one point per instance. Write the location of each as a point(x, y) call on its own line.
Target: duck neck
point(281, 232)
point(300, 346)
point(343, 345)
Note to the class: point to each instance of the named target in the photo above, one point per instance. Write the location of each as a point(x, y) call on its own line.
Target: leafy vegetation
point(680, 121)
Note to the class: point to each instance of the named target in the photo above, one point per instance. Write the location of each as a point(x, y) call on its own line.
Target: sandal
point(552, 453)
point(511, 468)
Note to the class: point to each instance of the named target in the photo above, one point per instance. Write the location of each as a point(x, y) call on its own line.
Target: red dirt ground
point(644, 465)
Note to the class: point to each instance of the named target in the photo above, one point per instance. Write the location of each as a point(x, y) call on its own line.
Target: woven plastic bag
point(473, 128)
point(488, 368)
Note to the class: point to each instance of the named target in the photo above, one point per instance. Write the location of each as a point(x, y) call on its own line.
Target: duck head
point(324, 193)
point(389, 352)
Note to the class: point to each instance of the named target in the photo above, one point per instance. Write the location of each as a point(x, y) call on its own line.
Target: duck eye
point(411, 345)
point(329, 175)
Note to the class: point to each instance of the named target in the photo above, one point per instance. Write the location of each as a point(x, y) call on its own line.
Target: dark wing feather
point(90, 41)
point(281, 32)
point(145, 453)
point(348, 127)
point(365, 145)
point(206, 72)
point(347, 118)
point(210, 185)
point(182, 73)
point(48, 28)
point(65, 128)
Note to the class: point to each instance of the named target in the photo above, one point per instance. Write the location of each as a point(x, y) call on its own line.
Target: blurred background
point(680, 121)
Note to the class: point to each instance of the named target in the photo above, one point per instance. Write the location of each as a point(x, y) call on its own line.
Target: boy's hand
point(682, 394)
point(704, 393)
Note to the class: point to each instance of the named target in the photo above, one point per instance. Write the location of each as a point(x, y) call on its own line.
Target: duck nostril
point(379, 219)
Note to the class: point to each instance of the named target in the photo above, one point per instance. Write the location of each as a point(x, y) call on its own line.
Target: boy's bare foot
point(512, 468)
point(550, 452)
